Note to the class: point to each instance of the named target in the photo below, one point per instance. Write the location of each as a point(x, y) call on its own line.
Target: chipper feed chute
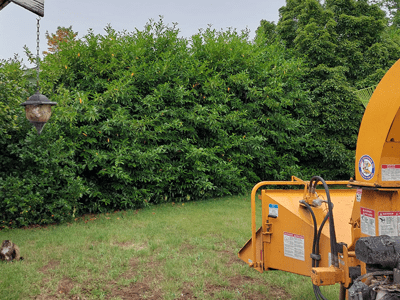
point(346, 236)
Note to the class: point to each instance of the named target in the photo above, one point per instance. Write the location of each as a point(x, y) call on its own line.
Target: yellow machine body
point(378, 146)
point(371, 207)
point(284, 242)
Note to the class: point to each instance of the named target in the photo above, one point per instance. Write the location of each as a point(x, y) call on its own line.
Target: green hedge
point(148, 117)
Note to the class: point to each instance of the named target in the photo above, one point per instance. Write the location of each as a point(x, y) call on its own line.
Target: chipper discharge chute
point(346, 236)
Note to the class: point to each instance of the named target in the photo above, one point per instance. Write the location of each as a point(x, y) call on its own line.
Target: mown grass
point(171, 251)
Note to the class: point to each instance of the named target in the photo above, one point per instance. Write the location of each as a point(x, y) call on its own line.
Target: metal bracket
point(267, 233)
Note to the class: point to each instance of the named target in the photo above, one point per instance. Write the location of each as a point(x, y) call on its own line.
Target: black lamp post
point(38, 110)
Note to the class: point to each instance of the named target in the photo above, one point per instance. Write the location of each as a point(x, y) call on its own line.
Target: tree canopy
point(62, 35)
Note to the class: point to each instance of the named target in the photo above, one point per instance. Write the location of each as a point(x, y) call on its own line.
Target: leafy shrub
point(148, 117)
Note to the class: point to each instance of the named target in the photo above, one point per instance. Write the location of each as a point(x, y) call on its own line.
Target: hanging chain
point(37, 54)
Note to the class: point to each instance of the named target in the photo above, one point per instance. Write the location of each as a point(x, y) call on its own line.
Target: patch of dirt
point(237, 283)
point(278, 293)
point(147, 287)
point(65, 286)
point(133, 265)
point(148, 281)
point(49, 297)
point(236, 286)
point(187, 293)
point(50, 266)
point(130, 245)
point(186, 247)
point(135, 291)
point(232, 257)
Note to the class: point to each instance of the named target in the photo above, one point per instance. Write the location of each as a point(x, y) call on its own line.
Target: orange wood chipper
point(346, 236)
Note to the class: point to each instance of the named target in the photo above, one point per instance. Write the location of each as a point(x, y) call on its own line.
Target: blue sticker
point(273, 209)
point(366, 167)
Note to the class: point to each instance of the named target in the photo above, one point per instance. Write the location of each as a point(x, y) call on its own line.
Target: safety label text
point(368, 221)
point(390, 172)
point(293, 245)
point(388, 224)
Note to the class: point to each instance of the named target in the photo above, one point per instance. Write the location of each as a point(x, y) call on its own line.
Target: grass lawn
point(171, 251)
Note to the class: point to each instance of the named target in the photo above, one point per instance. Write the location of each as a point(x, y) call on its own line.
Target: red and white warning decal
point(293, 245)
point(358, 195)
point(368, 221)
point(388, 222)
point(390, 172)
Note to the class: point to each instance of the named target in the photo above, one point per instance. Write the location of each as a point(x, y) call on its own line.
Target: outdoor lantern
point(38, 106)
point(38, 110)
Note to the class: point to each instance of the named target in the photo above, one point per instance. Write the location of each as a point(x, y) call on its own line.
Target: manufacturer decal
point(273, 210)
point(366, 167)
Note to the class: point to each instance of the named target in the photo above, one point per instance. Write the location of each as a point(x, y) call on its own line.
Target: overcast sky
point(18, 25)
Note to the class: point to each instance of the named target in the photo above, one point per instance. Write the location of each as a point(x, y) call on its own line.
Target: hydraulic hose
point(332, 233)
point(315, 247)
point(315, 230)
point(317, 235)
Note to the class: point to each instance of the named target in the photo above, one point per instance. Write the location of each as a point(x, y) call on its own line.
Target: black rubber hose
point(315, 248)
point(315, 230)
point(332, 231)
point(319, 235)
point(317, 252)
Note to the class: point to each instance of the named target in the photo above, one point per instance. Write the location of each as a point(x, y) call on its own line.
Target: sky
point(18, 25)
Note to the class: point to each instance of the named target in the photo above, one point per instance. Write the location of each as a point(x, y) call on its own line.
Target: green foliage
point(14, 87)
point(347, 33)
point(391, 7)
point(347, 46)
point(148, 117)
point(267, 30)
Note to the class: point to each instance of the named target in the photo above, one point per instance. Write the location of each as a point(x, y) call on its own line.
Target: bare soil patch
point(140, 289)
point(131, 245)
point(147, 287)
point(65, 286)
point(237, 286)
point(135, 291)
point(50, 266)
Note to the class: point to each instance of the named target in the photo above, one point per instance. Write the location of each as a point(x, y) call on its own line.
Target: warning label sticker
point(390, 172)
point(293, 245)
point(388, 223)
point(358, 195)
point(368, 221)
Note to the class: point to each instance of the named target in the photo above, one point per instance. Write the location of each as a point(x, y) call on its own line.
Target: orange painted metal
point(327, 276)
point(378, 144)
point(266, 249)
point(379, 212)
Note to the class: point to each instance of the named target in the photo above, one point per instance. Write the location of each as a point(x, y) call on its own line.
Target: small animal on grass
point(9, 251)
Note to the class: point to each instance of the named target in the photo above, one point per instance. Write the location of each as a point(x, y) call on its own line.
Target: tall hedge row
point(148, 117)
